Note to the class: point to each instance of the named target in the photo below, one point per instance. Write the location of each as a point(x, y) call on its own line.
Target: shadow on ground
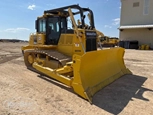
point(114, 97)
point(47, 78)
point(117, 95)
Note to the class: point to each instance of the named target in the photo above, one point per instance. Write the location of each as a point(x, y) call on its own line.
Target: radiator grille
point(91, 43)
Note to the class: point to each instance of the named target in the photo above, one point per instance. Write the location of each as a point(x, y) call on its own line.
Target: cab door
point(52, 30)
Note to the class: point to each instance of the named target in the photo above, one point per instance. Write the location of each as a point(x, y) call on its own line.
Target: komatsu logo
point(91, 34)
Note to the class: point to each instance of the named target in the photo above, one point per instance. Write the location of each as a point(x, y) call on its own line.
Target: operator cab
point(54, 23)
point(51, 27)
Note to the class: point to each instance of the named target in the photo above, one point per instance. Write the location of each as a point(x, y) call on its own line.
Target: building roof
point(135, 26)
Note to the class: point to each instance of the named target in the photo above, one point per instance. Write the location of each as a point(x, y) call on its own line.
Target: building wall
point(144, 36)
point(131, 15)
point(135, 15)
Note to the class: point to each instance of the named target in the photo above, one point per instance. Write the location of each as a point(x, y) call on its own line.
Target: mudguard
point(95, 70)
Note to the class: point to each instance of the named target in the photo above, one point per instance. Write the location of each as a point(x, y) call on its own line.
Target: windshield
point(42, 25)
point(53, 24)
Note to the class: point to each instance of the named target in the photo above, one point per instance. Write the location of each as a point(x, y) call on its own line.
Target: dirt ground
point(23, 92)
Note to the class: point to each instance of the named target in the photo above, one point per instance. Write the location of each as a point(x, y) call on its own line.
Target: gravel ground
point(23, 92)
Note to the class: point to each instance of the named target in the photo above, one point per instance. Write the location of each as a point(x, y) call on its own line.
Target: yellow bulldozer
point(107, 41)
point(70, 55)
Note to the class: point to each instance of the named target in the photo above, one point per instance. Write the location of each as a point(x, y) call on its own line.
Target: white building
point(137, 21)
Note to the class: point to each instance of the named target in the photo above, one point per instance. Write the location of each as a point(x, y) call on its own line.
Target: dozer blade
point(94, 70)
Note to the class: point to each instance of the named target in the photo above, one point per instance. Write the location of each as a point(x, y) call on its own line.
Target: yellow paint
point(30, 59)
point(144, 47)
point(147, 47)
point(65, 69)
point(91, 71)
point(28, 47)
point(69, 44)
point(94, 70)
point(41, 39)
point(87, 72)
point(51, 73)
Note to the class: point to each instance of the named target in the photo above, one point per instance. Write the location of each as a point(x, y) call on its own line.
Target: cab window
point(41, 26)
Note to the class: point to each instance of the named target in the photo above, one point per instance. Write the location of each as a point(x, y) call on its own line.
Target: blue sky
point(18, 16)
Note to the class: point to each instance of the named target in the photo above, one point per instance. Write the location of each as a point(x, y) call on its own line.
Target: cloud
point(31, 7)
point(108, 26)
point(15, 30)
point(116, 21)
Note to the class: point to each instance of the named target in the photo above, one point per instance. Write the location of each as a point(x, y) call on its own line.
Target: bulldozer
point(107, 41)
point(69, 55)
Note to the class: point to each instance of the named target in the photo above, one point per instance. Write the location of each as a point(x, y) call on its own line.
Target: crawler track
point(52, 54)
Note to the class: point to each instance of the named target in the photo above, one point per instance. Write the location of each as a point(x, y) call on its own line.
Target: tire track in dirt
point(6, 58)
